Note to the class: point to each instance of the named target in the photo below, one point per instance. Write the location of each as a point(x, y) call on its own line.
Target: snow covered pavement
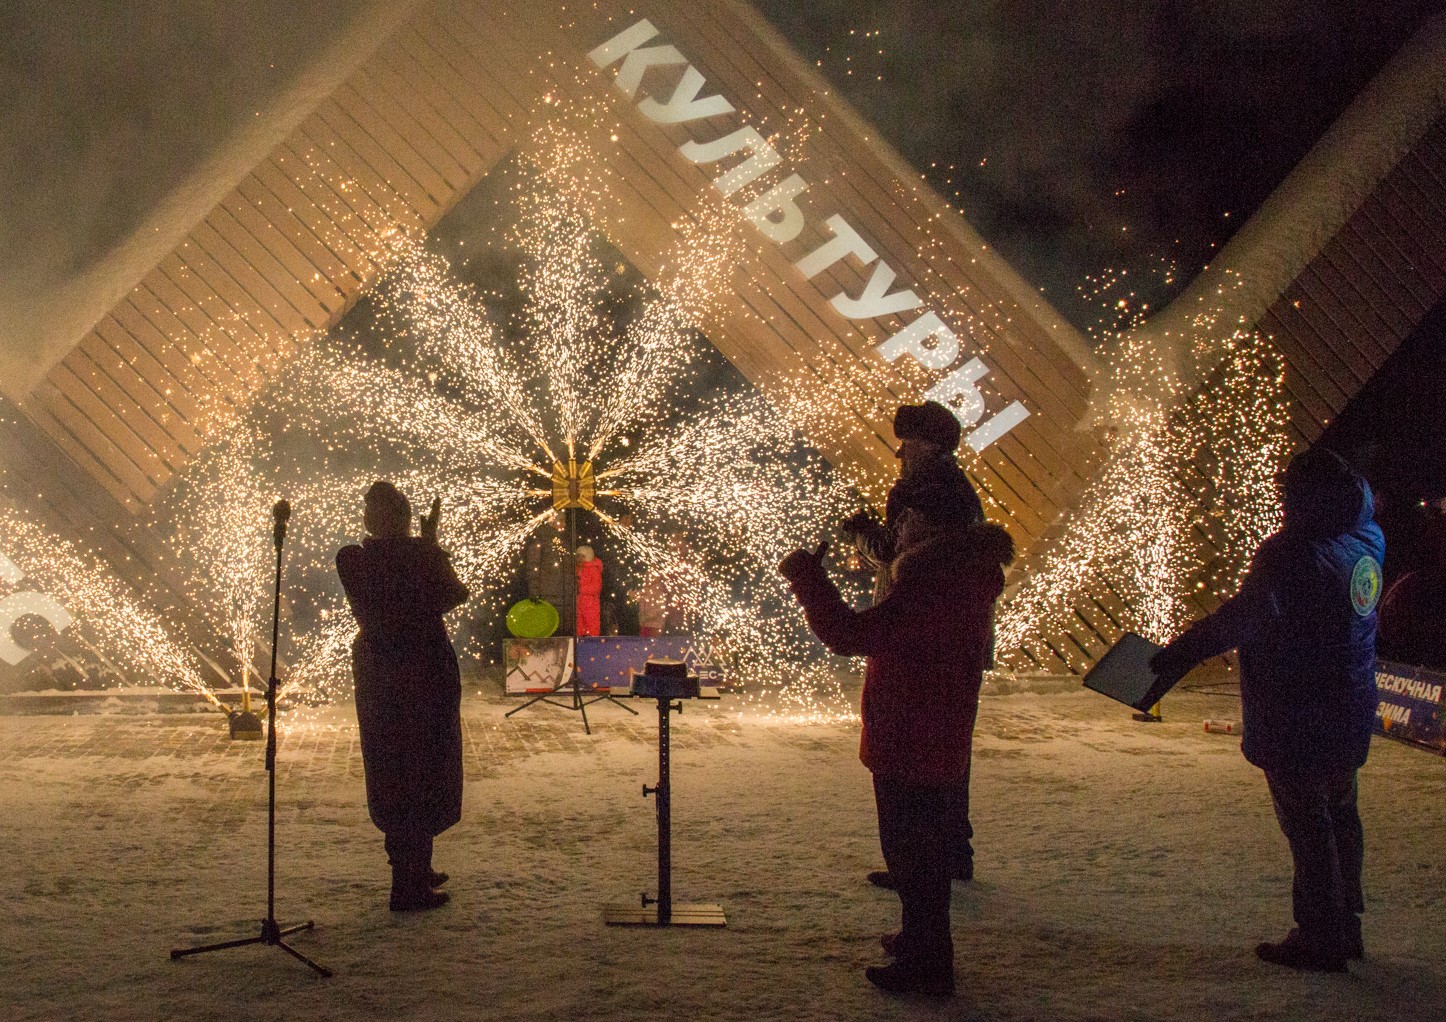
point(1125, 871)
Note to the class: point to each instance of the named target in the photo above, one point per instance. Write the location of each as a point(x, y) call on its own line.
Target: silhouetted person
point(549, 569)
point(928, 435)
point(408, 688)
point(1304, 621)
point(926, 644)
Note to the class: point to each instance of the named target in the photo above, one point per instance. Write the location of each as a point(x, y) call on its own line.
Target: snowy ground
point(1125, 872)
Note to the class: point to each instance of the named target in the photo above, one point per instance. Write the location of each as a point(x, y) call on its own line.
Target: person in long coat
point(926, 645)
point(1304, 621)
point(928, 436)
point(408, 688)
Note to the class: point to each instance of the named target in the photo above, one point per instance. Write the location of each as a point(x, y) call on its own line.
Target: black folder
point(1124, 673)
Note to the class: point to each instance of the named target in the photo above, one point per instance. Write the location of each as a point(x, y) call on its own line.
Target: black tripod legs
point(271, 934)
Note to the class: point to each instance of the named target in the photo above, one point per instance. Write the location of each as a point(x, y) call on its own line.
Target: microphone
point(279, 515)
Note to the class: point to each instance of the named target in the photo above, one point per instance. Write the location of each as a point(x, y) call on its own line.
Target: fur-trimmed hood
point(977, 548)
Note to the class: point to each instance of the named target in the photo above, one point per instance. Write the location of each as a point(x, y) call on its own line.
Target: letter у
point(876, 302)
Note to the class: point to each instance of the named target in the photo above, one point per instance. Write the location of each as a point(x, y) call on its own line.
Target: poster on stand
point(1410, 705)
point(536, 665)
point(610, 661)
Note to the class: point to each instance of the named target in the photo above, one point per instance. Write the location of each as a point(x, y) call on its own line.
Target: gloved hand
point(1170, 664)
point(429, 521)
point(801, 561)
point(857, 523)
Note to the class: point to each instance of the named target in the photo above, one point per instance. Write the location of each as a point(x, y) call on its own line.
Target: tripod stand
point(271, 931)
point(571, 684)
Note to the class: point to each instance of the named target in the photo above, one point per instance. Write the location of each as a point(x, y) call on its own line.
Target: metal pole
point(665, 817)
point(271, 748)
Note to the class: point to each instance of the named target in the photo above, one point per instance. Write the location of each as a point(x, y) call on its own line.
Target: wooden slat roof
point(462, 83)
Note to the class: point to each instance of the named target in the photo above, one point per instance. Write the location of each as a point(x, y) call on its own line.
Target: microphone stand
point(271, 931)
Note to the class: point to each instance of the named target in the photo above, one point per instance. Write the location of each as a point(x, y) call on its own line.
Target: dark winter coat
point(1304, 621)
point(926, 645)
point(940, 486)
point(408, 687)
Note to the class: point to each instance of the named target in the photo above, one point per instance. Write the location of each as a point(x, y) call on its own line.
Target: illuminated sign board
point(775, 213)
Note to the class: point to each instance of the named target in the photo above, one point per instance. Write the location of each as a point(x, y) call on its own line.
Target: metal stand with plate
point(664, 681)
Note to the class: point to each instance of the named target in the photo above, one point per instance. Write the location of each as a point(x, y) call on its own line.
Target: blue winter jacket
point(1304, 622)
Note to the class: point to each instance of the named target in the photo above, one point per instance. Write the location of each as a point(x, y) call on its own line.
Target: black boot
point(934, 978)
point(1352, 946)
point(410, 892)
point(1308, 954)
point(883, 878)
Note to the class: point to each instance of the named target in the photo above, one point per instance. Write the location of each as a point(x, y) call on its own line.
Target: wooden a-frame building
point(855, 267)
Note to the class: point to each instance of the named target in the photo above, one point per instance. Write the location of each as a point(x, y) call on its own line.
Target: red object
point(589, 597)
point(926, 643)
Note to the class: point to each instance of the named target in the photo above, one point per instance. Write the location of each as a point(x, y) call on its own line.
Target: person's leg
point(913, 842)
point(410, 853)
point(430, 875)
point(891, 823)
point(1350, 853)
point(958, 832)
point(1302, 806)
point(911, 834)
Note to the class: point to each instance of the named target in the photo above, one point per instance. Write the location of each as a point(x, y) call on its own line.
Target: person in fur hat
point(928, 436)
point(926, 644)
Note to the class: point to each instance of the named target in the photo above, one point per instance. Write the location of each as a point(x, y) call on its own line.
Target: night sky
point(1082, 136)
point(1079, 137)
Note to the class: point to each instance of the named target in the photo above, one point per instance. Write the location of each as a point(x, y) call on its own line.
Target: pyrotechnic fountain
point(458, 402)
point(1185, 473)
point(478, 411)
point(130, 641)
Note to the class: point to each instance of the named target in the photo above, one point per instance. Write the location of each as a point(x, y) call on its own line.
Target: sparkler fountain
point(479, 410)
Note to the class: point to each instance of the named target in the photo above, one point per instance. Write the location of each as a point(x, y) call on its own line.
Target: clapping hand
point(430, 520)
point(802, 560)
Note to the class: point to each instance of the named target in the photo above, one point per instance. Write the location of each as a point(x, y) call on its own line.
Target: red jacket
point(926, 644)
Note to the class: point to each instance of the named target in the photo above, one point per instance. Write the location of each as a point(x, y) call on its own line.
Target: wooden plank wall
point(1368, 289)
point(288, 251)
point(280, 259)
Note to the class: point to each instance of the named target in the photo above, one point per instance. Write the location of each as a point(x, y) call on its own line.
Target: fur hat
point(929, 421)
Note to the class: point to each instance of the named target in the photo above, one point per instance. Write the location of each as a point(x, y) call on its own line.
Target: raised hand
point(430, 520)
point(801, 561)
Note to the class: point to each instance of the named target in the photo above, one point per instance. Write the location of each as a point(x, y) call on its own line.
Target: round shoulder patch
point(1365, 585)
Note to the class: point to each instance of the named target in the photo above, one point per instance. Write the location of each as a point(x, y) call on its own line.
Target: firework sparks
point(476, 409)
point(106, 615)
